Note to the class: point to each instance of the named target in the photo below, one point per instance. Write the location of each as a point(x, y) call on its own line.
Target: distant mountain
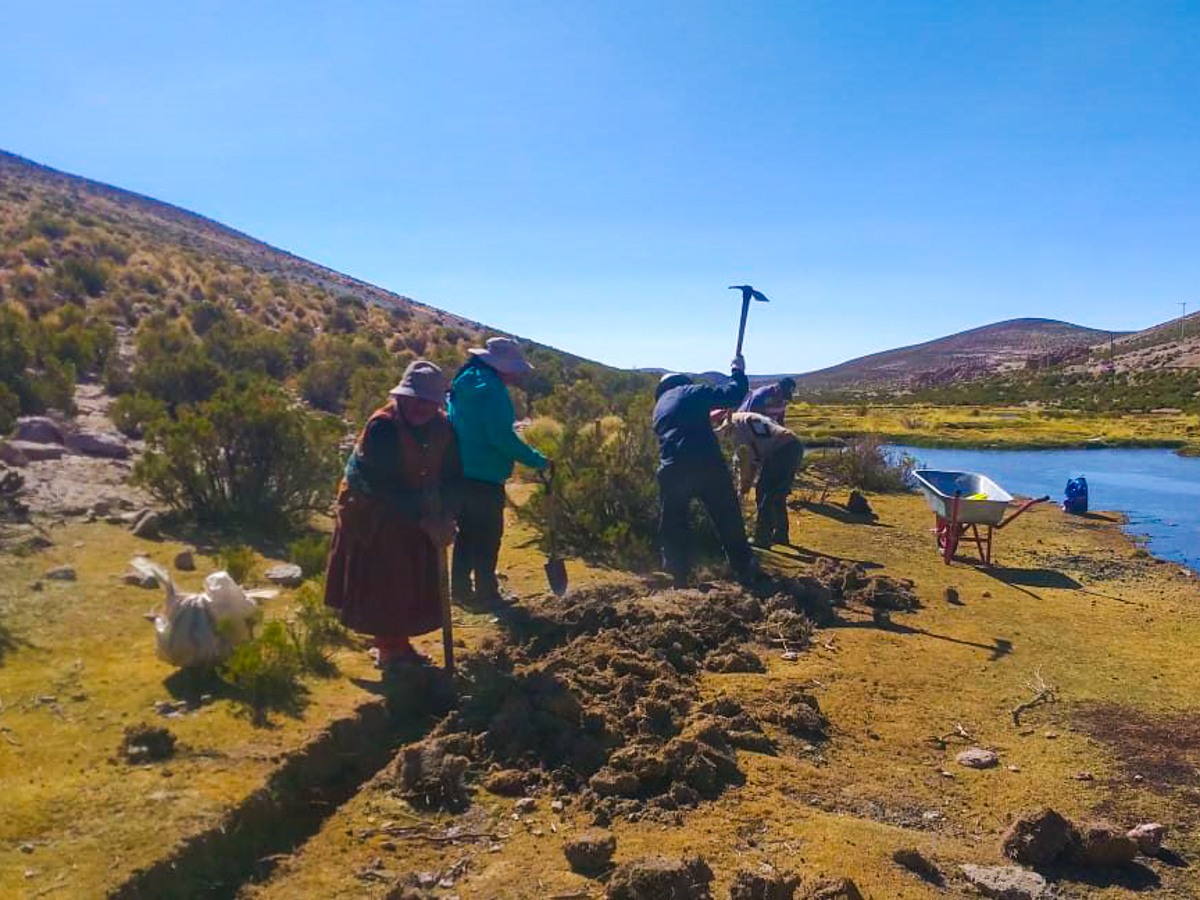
point(1002, 346)
point(1174, 344)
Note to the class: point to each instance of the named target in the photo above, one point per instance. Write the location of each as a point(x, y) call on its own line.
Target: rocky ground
point(870, 722)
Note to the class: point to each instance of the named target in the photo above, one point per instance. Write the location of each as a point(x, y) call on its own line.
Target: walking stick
point(447, 622)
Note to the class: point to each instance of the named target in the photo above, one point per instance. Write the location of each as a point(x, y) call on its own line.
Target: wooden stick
point(447, 620)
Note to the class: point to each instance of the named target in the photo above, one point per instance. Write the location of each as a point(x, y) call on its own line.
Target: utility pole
point(1182, 316)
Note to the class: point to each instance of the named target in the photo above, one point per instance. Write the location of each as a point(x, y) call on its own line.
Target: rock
point(763, 884)
point(61, 573)
point(1103, 846)
point(506, 783)
point(525, 805)
point(140, 579)
point(12, 456)
point(285, 575)
point(95, 443)
point(917, 863)
point(834, 889)
point(185, 561)
point(977, 758)
point(38, 430)
point(591, 852)
point(658, 879)
point(952, 596)
point(1006, 882)
point(147, 743)
point(608, 783)
point(147, 525)
point(1149, 837)
point(32, 452)
point(858, 505)
point(431, 773)
point(1038, 838)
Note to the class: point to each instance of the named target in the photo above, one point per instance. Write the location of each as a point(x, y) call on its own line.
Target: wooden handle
point(447, 620)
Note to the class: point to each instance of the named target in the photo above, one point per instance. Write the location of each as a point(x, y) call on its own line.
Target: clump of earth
point(147, 743)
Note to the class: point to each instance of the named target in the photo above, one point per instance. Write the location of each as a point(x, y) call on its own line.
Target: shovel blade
point(556, 576)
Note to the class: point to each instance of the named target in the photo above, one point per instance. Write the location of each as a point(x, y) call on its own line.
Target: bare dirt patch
point(1162, 750)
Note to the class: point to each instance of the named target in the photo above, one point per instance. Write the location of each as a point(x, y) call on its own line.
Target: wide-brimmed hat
point(423, 380)
point(504, 355)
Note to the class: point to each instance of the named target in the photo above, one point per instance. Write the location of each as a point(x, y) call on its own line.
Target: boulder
point(285, 575)
point(61, 573)
point(1102, 845)
point(917, 863)
point(834, 889)
point(977, 758)
point(1149, 837)
point(506, 783)
point(35, 452)
point(140, 579)
point(147, 524)
point(185, 561)
point(38, 430)
point(764, 883)
point(657, 878)
point(590, 852)
point(1038, 838)
point(1006, 882)
point(96, 443)
point(12, 456)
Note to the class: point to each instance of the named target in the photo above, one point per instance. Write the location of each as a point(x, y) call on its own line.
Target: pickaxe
point(748, 294)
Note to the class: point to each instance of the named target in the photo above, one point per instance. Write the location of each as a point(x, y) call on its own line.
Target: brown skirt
point(383, 572)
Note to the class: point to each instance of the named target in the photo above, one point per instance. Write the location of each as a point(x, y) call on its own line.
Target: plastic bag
point(202, 629)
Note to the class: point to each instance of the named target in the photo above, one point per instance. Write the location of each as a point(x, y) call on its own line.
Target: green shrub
point(10, 408)
point(238, 560)
point(865, 464)
point(133, 413)
point(246, 457)
point(265, 671)
point(81, 277)
point(172, 365)
point(314, 628)
point(310, 553)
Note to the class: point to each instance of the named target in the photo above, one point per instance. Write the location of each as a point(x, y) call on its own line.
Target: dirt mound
point(763, 884)
point(661, 879)
point(1038, 838)
point(849, 583)
point(596, 693)
point(147, 743)
point(591, 852)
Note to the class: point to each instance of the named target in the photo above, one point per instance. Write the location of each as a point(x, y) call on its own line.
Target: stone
point(12, 456)
point(1006, 882)
point(1149, 837)
point(61, 573)
point(764, 883)
point(38, 430)
point(285, 575)
point(657, 878)
point(33, 452)
point(96, 443)
point(140, 579)
point(834, 889)
point(506, 783)
point(147, 524)
point(525, 805)
point(858, 505)
point(185, 561)
point(977, 758)
point(1038, 838)
point(917, 863)
point(1103, 846)
point(590, 852)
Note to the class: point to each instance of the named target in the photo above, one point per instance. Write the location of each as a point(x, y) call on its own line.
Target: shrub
point(172, 366)
point(867, 465)
point(247, 457)
point(310, 553)
point(80, 277)
point(314, 628)
point(238, 560)
point(10, 408)
point(133, 413)
point(265, 671)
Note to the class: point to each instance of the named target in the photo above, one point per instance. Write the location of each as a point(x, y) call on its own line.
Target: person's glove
point(738, 364)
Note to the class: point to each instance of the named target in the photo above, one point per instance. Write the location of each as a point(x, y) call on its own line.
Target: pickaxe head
point(749, 293)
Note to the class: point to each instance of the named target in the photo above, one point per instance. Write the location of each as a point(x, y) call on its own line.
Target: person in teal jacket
point(481, 412)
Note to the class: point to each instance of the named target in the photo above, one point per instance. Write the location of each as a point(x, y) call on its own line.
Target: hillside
point(991, 348)
point(1173, 344)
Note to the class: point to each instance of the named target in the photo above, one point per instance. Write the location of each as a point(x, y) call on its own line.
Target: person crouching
point(769, 455)
point(395, 516)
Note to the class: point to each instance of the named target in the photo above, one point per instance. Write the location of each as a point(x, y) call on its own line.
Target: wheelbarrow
point(962, 503)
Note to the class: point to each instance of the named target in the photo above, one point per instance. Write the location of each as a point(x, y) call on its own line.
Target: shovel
point(556, 569)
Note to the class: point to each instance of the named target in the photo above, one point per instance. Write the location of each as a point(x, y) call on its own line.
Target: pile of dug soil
point(596, 693)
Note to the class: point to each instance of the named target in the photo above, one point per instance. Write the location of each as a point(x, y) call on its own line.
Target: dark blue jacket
point(681, 420)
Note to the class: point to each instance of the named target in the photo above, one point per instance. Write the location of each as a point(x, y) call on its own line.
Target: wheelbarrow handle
point(1024, 506)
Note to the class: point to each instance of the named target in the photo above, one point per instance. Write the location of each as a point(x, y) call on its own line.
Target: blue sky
point(593, 174)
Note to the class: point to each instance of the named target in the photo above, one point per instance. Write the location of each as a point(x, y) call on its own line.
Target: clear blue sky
point(593, 174)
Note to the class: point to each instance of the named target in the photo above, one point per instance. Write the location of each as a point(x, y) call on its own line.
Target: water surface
point(1157, 489)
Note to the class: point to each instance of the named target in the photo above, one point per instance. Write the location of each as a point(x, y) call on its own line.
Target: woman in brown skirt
point(395, 515)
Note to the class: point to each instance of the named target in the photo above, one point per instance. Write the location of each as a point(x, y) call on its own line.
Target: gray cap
point(423, 380)
point(504, 355)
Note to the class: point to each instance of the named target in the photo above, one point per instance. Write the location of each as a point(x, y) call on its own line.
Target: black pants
point(710, 483)
point(477, 545)
point(774, 484)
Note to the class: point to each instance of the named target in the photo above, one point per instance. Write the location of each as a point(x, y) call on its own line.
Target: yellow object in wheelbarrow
point(982, 495)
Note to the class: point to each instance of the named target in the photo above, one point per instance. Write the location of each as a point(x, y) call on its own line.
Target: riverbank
point(1010, 428)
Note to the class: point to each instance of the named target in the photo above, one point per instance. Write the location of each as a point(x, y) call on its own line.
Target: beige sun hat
point(504, 355)
point(423, 380)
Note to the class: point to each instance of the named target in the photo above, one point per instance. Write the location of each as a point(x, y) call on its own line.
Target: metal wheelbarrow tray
point(957, 506)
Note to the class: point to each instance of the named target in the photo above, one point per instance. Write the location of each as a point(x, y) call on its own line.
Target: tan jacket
point(756, 438)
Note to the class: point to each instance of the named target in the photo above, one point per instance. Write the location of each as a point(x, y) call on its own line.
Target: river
point(1158, 490)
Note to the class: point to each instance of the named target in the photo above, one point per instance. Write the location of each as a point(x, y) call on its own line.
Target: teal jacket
point(482, 415)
